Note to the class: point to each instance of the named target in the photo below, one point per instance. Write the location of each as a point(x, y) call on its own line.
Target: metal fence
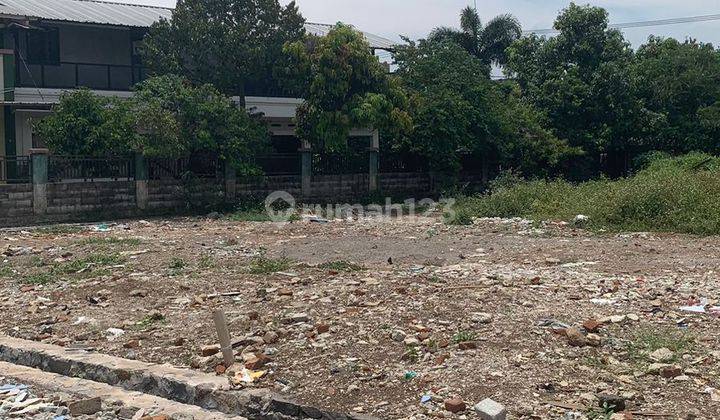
point(340, 163)
point(15, 169)
point(279, 163)
point(67, 168)
point(174, 168)
point(393, 162)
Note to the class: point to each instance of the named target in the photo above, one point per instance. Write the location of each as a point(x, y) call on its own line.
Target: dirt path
point(423, 310)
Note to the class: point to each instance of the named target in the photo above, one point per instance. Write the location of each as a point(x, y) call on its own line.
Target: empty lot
point(372, 316)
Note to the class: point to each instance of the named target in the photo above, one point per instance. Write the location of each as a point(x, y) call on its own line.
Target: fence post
point(306, 168)
point(230, 183)
point(141, 181)
point(373, 153)
point(40, 158)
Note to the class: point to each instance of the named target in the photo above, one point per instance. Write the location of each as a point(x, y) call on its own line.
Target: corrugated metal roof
point(322, 29)
point(120, 14)
point(86, 11)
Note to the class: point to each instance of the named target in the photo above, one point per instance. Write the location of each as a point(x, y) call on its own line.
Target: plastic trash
point(410, 375)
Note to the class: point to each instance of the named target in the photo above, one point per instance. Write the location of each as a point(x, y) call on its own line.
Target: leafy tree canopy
point(457, 111)
point(680, 81)
point(581, 80)
point(84, 124)
point(346, 87)
point(236, 45)
point(167, 117)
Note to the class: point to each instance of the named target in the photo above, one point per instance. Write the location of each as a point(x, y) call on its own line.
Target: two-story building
point(50, 46)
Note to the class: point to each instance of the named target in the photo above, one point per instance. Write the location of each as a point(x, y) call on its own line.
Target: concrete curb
point(108, 394)
point(210, 392)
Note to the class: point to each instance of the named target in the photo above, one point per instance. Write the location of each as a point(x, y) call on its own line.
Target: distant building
point(51, 46)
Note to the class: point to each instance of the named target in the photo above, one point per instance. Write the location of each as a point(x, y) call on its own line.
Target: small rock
point(662, 355)
point(575, 337)
point(322, 328)
point(257, 361)
point(138, 293)
point(591, 325)
point(132, 344)
point(398, 336)
point(87, 406)
point(670, 372)
point(296, 318)
point(209, 350)
point(271, 337)
point(593, 340)
point(488, 409)
point(468, 345)
point(455, 405)
point(482, 318)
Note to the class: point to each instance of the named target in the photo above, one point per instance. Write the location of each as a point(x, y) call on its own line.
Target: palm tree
point(488, 43)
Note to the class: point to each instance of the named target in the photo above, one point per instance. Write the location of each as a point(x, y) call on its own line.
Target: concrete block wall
point(168, 195)
point(406, 183)
point(112, 197)
point(265, 185)
point(16, 206)
point(102, 200)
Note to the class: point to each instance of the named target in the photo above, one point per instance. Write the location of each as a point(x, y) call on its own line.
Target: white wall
point(23, 128)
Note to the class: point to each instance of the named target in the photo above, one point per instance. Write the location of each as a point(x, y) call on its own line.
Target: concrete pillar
point(306, 168)
point(230, 183)
point(7, 73)
point(40, 159)
point(141, 181)
point(373, 155)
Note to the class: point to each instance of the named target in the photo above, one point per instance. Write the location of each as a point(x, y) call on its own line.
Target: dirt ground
point(390, 318)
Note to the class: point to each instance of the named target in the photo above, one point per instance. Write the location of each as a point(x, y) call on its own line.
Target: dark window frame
point(44, 48)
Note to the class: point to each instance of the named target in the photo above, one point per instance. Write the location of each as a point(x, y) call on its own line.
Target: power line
point(641, 24)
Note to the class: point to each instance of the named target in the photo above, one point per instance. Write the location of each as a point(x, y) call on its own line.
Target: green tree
point(581, 80)
point(457, 111)
point(236, 45)
point(489, 42)
point(167, 117)
point(346, 88)
point(85, 124)
point(680, 82)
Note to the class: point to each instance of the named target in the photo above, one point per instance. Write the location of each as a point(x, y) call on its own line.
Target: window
point(43, 46)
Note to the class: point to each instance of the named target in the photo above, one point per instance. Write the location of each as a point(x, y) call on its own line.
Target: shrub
point(672, 194)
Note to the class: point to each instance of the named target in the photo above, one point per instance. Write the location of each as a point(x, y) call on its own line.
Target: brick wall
point(265, 185)
point(16, 206)
point(90, 201)
point(70, 200)
point(406, 183)
point(171, 195)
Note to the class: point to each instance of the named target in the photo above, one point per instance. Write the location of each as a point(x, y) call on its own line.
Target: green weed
point(673, 195)
point(92, 262)
point(265, 265)
point(463, 337)
point(644, 342)
point(341, 266)
point(110, 242)
point(38, 279)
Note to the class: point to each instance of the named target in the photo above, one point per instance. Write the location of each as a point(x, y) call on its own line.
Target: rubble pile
point(407, 318)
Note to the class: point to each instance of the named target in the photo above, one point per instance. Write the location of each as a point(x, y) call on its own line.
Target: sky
point(416, 18)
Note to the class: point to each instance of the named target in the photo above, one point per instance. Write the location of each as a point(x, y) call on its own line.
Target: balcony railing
point(66, 75)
